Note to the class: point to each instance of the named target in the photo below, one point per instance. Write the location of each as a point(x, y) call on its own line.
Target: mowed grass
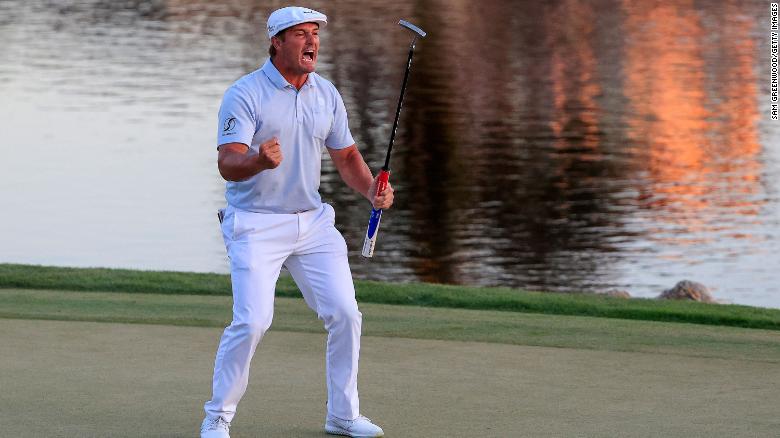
point(292, 314)
point(408, 294)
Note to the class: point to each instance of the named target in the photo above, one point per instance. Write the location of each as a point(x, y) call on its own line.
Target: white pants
point(315, 253)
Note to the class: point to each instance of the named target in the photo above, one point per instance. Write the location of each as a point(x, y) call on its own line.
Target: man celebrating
point(273, 125)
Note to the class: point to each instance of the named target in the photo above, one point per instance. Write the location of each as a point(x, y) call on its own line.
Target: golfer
point(273, 126)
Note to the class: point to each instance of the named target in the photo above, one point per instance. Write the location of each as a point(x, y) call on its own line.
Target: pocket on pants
point(241, 225)
point(331, 212)
point(337, 242)
point(226, 224)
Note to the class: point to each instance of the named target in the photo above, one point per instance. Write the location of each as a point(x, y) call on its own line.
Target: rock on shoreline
point(688, 290)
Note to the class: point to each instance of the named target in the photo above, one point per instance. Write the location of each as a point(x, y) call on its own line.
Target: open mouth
point(308, 55)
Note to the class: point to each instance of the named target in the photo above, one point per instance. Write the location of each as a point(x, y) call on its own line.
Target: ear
point(276, 42)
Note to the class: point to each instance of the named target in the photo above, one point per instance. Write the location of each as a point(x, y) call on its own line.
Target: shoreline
point(18, 276)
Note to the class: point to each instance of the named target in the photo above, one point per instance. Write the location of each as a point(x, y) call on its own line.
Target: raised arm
point(237, 164)
point(356, 174)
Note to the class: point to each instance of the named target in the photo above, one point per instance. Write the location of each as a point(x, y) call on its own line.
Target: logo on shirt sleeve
point(229, 125)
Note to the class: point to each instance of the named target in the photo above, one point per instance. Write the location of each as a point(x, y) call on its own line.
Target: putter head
point(413, 28)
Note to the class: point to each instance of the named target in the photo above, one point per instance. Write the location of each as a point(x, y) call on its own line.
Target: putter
point(384, 175)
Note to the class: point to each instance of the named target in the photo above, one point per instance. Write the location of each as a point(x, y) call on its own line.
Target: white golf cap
point(281, 19)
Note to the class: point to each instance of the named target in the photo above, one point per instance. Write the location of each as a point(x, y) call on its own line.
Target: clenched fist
point(270, 154)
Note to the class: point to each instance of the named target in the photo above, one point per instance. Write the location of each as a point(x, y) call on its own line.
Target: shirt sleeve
point(236, 118)
point(339, 137)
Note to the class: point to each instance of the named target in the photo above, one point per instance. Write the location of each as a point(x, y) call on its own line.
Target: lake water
point(561, 146)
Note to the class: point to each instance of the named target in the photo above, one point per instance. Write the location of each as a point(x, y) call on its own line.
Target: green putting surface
point(85, 379)
point(408, 322)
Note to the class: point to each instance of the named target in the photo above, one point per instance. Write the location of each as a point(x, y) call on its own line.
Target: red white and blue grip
point(376, 216)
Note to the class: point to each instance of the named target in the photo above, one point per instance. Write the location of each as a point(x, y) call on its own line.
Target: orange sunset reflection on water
point(696, 119)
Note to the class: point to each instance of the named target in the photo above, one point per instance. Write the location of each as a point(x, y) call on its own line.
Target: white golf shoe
point(214, 428)
point(359, 427)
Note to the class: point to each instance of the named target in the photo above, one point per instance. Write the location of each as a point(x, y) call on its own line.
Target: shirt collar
point(278, 80)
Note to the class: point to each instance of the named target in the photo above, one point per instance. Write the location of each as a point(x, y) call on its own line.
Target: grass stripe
point(407, 322)
point(408, 294)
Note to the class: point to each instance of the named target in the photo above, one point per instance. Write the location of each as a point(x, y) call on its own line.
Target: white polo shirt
point(262, 105)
